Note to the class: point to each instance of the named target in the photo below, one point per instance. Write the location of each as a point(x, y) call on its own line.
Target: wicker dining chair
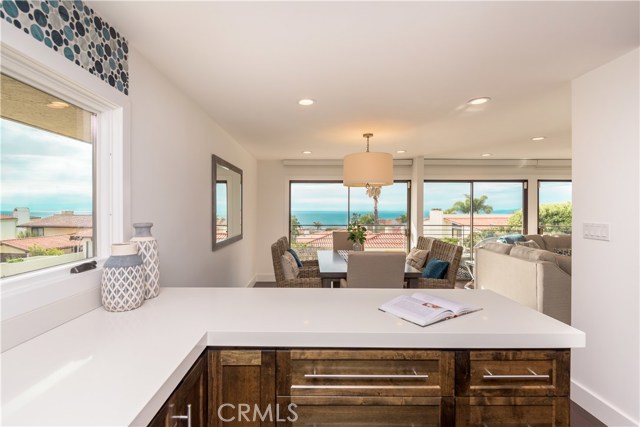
point(425, 243)
point(304, 280)
point(306, 263)
point(444, 252)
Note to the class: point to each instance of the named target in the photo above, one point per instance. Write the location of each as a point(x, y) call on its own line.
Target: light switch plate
point(596, 231)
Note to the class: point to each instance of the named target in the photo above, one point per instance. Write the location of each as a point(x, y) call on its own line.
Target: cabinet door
point(512, 411)
point(512, 373)
point(365, 411)
point(373, 373)
point(187, 405)
point(242, 388)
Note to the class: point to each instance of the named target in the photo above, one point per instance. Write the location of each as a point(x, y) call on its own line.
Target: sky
point(334, 196)
point(43, 171)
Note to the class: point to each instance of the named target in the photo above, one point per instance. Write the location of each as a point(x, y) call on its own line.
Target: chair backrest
point(424, 243)
point(375, 270)
point(285, 240)
point(341, 241)
point(446, 252)
point(276, 256)
point(284, 243)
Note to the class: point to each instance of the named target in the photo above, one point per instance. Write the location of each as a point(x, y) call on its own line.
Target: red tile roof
point(7, 217)
point(324, 239)
point(62, 221)
point(57, 242)
point(479, 220)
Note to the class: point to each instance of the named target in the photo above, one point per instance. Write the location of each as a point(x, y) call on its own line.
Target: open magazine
point(424, 309)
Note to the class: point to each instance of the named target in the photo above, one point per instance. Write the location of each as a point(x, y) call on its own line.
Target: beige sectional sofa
point(537, 278)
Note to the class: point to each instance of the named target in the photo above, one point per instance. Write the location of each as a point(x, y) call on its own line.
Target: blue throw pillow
point(511, 239)
point(295, 256)
point(435, 269)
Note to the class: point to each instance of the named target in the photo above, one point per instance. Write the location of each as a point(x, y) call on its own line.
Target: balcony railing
point(307, 239)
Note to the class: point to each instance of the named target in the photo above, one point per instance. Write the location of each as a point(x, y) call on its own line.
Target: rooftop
point(65, 220)
point(49, 242)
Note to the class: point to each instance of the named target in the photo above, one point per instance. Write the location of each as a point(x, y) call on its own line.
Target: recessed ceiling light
point(58, 105)
point(306, 102)
point(306, 152)
point(478, 101)
point(401, 151)
point(487, 155)
point(538, 138)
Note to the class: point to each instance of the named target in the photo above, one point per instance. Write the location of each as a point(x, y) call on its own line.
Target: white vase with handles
point(148, 251)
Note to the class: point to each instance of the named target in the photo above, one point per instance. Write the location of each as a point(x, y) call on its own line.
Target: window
point(453, 209)
point(554, 207)
point(317, 208)
point(47, 195)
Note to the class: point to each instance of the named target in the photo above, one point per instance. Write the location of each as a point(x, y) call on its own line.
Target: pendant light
point(367, 169)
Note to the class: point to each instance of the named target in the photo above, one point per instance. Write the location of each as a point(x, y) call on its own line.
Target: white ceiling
point(401, 70)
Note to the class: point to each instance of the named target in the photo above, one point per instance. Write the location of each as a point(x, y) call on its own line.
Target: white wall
point(605, 375)
point(273, 193)
point(172, 141)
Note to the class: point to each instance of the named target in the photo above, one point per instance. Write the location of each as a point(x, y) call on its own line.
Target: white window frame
point(29, 291)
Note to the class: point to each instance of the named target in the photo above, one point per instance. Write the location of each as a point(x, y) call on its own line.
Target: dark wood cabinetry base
point(372, 387)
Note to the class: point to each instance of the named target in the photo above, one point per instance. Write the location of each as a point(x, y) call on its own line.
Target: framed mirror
point(227, 202)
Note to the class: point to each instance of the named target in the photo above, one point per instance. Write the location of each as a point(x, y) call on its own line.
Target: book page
point(415, 310)
point(456, 307)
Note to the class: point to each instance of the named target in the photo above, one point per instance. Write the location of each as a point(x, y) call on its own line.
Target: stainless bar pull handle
point(531, 376)
point(184, 417)
point(367, 376)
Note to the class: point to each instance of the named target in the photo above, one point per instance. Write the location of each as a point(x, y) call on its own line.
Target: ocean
point(330, 218)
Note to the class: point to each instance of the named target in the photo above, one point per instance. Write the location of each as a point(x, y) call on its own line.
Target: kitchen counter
point(118, 368)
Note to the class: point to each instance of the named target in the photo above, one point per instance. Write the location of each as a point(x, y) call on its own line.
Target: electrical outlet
point(596, 231)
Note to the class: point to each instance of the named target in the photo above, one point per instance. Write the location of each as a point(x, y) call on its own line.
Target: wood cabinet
point(187, 405)
point(370, 387)
point(242, 387)
point(512, 388)
point(366, 387)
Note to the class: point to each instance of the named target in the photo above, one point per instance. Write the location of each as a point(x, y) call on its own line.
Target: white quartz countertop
point(117, 369)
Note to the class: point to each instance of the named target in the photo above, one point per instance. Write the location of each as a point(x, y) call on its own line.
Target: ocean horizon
point(331, 218)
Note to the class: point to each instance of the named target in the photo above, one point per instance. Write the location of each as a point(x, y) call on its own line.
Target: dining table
point(333, 267)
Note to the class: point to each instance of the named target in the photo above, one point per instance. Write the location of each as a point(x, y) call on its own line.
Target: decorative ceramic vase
point(148, 251)
point(357, 246)
point(123, 278)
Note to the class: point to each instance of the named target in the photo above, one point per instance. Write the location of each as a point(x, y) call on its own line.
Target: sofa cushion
point(435, 269)
point(531, 254)
point(417, 258)
point(559, 241)
point(529, 244)
point(562, 251)
point(501, 248)
point(564, 262)
point(289, 266)
point(295, 256)
point(538, 239)
point(511, 238)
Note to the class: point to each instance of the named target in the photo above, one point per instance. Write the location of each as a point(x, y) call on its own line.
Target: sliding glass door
point(317, 208)
point(468, 212)
point(554, 207)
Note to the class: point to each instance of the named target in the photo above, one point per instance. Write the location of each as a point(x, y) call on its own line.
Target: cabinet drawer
point(512, 373)
point(365, 412)
point(365, 373)
point(512, 411)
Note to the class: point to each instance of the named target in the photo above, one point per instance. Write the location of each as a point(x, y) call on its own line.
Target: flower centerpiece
point(357, 232)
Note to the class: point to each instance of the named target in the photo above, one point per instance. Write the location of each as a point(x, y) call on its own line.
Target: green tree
point(402, 219)
point(479, 205)
point(317, 224)
point(295, 228)
point(368, 218)
point(36, 250)
point(554, 217)
point(374, 193)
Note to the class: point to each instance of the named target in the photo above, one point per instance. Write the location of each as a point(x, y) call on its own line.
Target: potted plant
point(357, 233)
